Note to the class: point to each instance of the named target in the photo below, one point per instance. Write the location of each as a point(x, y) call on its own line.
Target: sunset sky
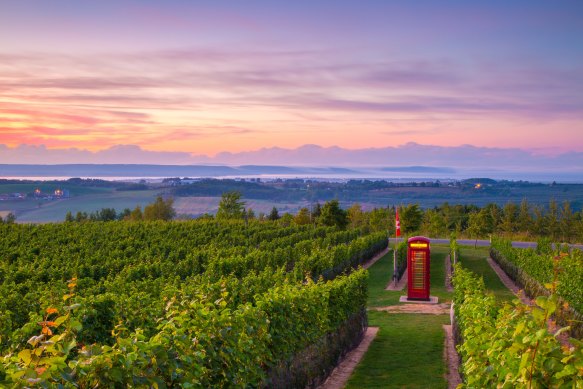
point(202, 77)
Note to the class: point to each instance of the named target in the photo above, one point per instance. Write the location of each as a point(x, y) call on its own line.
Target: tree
point(453, 217)
point(508, 224)
point(125, 214)
point(69, 217)
point(552, 220)
point(493, 212)
point(411, 218)
point(333, 215)
point(107, 214)
point(160, 209)
point(316, 211)
point(286, 220)
point(567, 222)
point(302, 217)
point(382, 219)
point(477, 226)
point(231, 206)
point(356, 217)
point(434, 224)
point(81, 216)
point(136, 214)
point(274, 214)
point(524, 218)
point(250, 214)
point(579, 227)
point(10, 219)
point(539, 225)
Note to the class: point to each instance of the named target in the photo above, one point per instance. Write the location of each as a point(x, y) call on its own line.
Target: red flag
point(397, 224)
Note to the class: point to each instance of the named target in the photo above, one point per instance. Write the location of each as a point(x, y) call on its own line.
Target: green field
point(39, 211)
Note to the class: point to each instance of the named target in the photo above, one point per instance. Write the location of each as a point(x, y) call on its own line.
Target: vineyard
point(197, 303)
point(536, 271)
point(235, 303)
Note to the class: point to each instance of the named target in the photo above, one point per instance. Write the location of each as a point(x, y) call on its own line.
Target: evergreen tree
point(69, 217)
point(552, 220)
point(302, 217)
point(316, 211)
point(274, 214)
point(411, 217)
point(333, 215)
point(524, 217)
point(231, 206)
point(508, 224)
point(539, 225)
point(567, 222)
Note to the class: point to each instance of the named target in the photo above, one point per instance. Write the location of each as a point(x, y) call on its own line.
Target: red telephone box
point(418, 264)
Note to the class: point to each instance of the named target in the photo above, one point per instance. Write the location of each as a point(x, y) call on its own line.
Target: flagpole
point(395, 262)
point(397, 234)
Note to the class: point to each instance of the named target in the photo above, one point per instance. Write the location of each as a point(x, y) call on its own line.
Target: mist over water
point(353, 174)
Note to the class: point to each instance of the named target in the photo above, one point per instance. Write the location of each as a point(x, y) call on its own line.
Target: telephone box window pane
point(418, 270)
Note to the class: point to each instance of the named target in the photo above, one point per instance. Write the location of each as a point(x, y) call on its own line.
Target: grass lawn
point(474, 259)
point(406, 353)
point(382, 271)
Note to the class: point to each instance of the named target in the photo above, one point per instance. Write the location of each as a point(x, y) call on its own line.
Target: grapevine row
point(535, 270)
point(510, 345)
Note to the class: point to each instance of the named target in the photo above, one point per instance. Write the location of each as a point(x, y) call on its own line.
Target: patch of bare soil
point(430, 309)
point(451, 359)
point(340, 375)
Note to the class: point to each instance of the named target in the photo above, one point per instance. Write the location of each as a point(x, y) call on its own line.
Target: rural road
point(486, 243)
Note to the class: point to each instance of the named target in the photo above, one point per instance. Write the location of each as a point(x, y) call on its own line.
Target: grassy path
point(407, 352)
point(474, 259)
point(408, 349)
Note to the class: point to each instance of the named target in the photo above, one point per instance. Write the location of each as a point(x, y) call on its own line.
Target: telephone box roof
point(418, 239)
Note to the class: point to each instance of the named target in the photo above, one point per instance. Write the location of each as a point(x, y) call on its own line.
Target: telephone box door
point(418, 265)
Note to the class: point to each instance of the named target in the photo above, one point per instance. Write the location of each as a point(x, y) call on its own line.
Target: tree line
point(160, 209)
point(521, 221)
point(556, 221)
